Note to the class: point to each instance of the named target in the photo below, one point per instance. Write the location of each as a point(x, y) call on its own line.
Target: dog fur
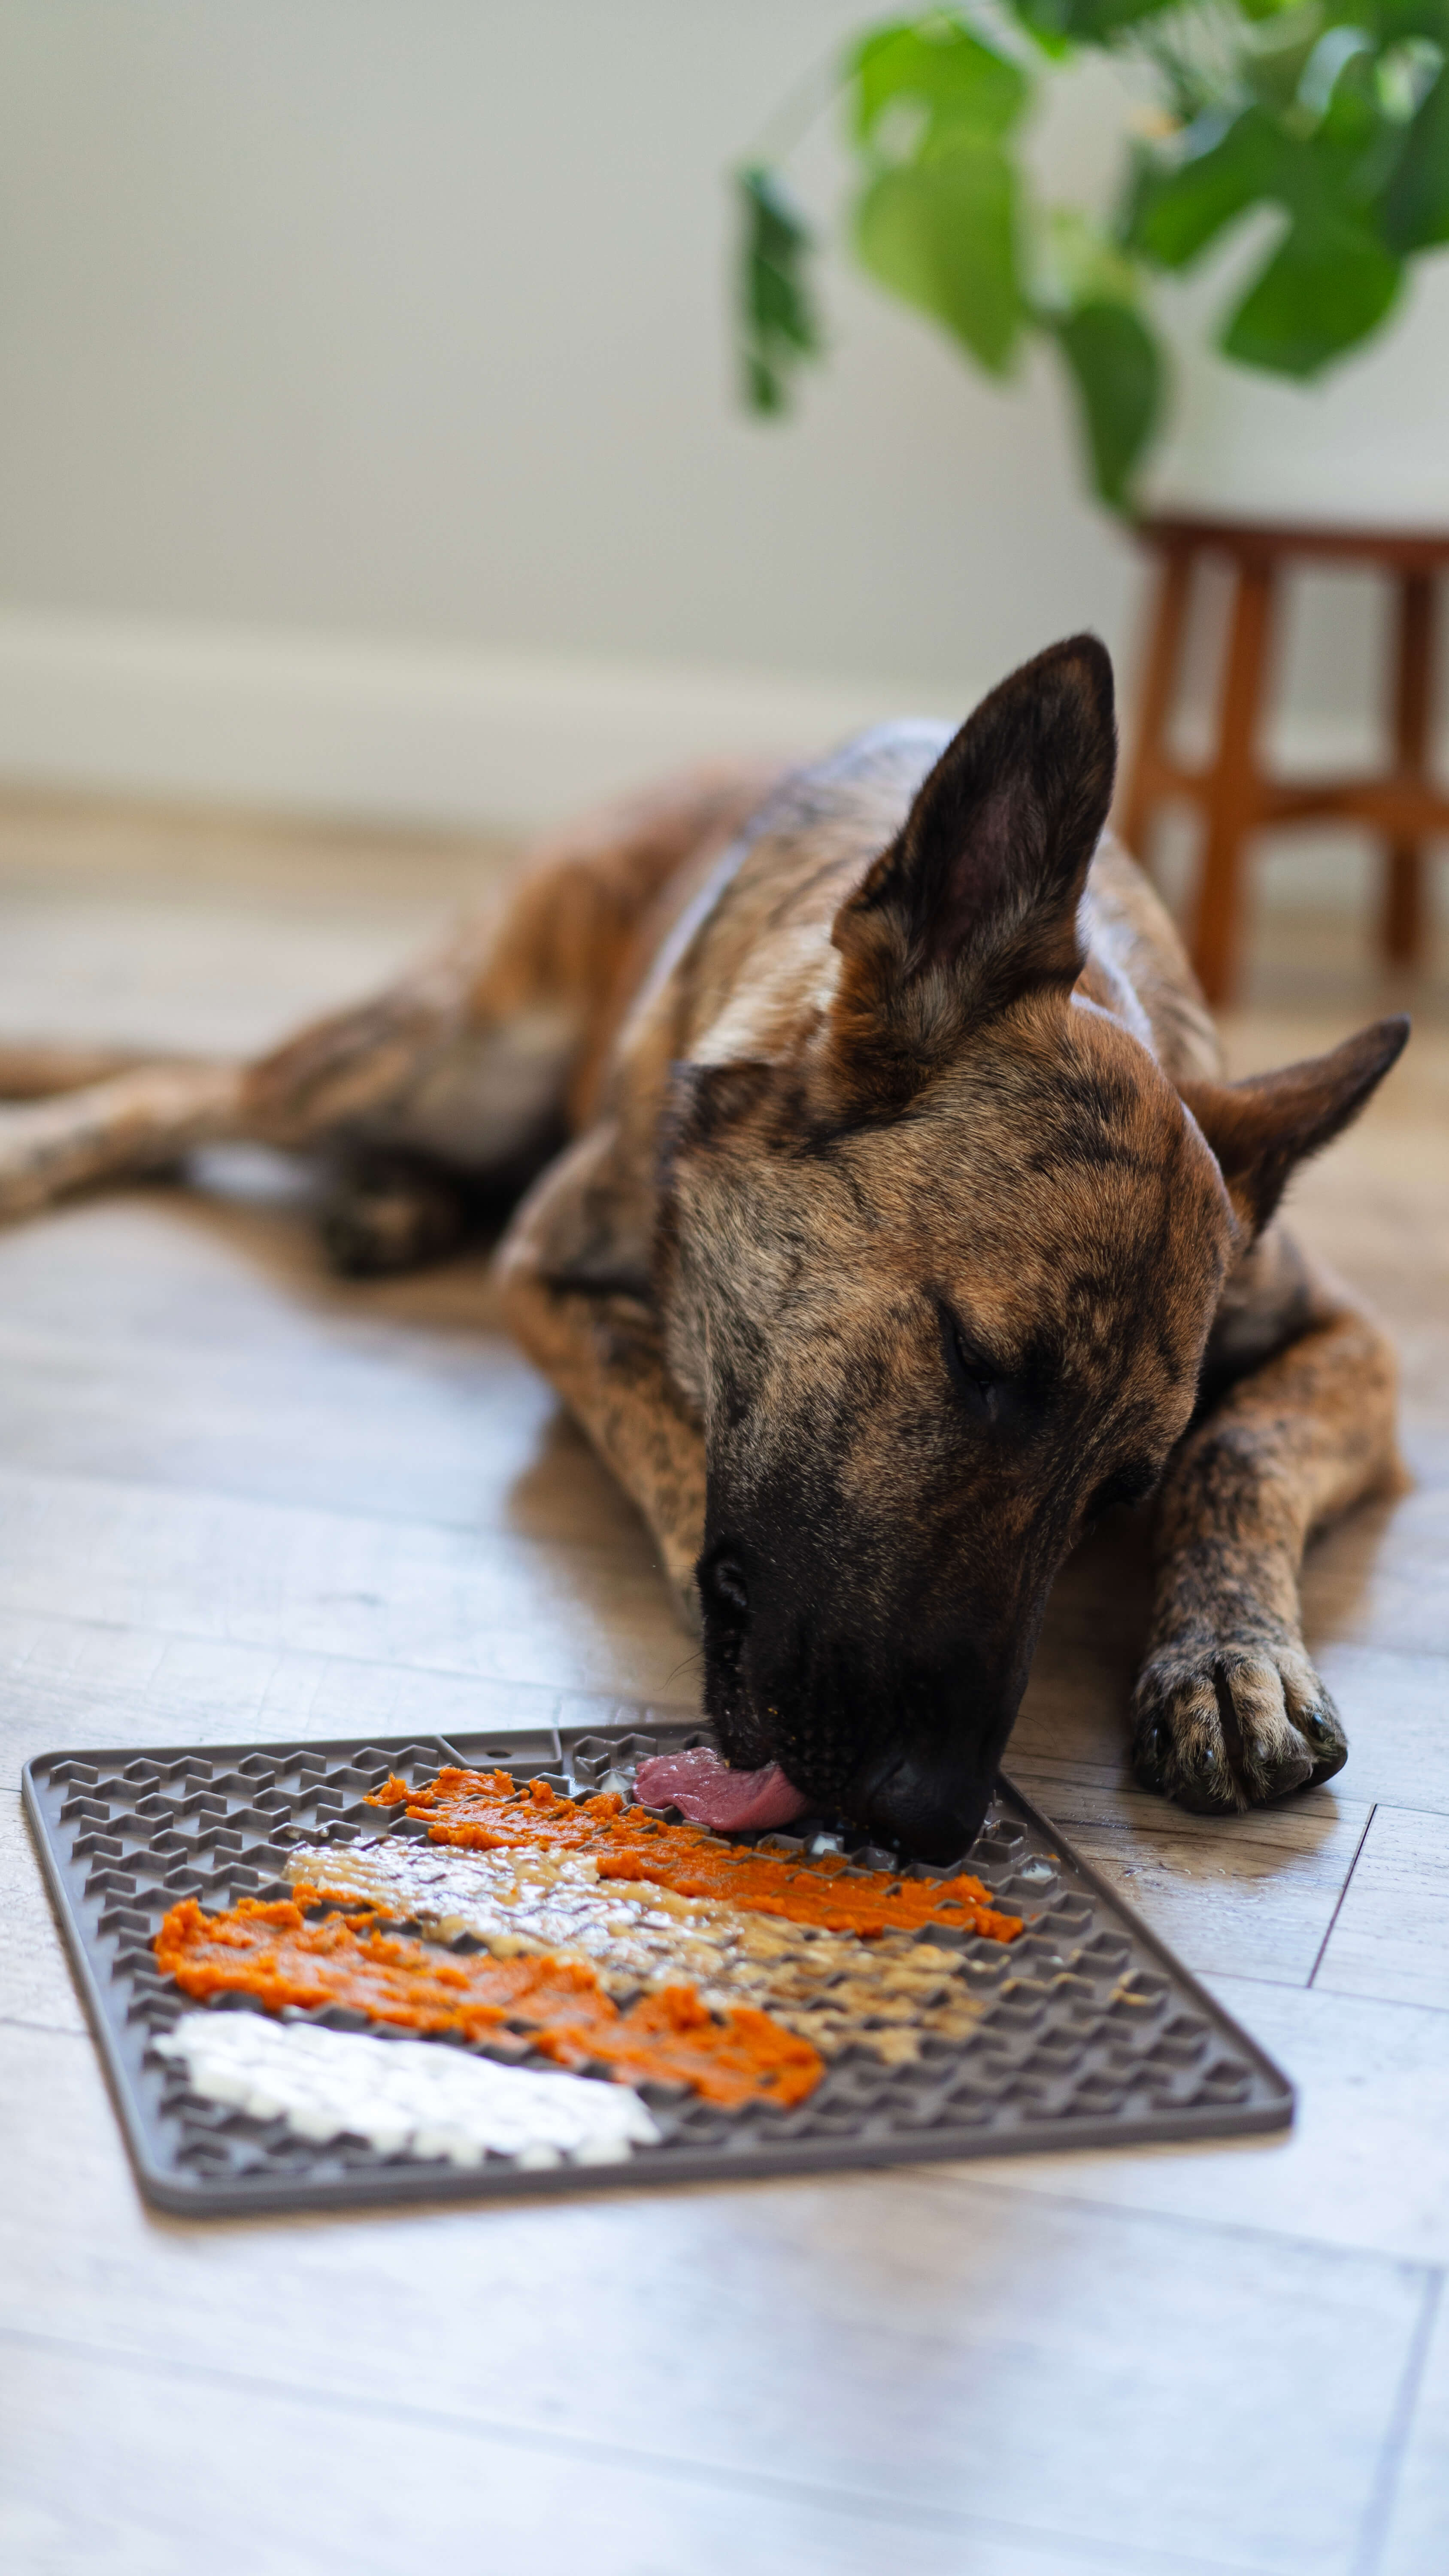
point(894, 1222)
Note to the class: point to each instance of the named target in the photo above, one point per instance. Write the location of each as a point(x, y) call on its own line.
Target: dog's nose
point(924, 1804)
point(724, 1586)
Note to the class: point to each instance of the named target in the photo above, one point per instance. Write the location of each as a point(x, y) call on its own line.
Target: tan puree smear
point(831, 1988)
point(489, 1810)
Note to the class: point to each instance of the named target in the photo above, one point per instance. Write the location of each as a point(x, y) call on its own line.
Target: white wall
point(362, 362)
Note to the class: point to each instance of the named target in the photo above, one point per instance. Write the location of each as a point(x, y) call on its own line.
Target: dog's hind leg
point(1228, 1709)
point(475, 1063)
point(479, 1063)
point(41, 1070)
point(136, 1121)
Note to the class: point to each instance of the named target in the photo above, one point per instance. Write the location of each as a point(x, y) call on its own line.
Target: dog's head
point(942, 1279)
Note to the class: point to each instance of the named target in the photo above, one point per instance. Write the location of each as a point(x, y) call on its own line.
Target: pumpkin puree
point(273, 1952)
point(484, 1810)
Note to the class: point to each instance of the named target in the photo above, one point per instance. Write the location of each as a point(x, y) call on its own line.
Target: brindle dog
point(907, 1225)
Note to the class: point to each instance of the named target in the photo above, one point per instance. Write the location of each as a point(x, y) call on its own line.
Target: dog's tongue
point(704, 1787)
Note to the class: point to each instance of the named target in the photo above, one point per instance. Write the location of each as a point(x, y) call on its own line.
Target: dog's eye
point(980, 1385)
point(1129, 1485)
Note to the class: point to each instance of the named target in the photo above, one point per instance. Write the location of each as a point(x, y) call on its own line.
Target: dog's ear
point(1260, 1128)
point(976, 898)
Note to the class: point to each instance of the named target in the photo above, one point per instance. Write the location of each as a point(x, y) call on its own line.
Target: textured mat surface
point(1089, 2032)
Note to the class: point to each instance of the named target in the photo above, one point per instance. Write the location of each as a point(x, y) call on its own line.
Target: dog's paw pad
point(1228, 1726)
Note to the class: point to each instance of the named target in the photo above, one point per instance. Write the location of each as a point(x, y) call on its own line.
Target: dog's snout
point(885, 1704)
point(925, 1805)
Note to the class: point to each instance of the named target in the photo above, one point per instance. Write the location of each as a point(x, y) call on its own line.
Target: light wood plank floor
point(238, 1499)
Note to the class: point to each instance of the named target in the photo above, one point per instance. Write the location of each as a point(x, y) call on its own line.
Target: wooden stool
point(1233, 791)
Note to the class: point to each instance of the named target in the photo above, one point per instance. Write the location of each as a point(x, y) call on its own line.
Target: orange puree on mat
point(483, 1810)
point(274, 1953)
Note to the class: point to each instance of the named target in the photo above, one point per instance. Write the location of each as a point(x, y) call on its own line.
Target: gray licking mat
point(1090, 2033)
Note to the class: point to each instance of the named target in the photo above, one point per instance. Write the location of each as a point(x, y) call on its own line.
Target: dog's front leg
point(1228, 1709)
point(575, 1296)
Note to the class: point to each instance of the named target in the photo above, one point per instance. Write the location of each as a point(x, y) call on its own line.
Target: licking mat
point(1087, 2032)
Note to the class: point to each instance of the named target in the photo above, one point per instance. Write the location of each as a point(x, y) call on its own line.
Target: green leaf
point(1276, 57)
point(778, 327)
point(1394, 20)
point(1057, 49)
point(1086, 22)
point(941, 234)
point(1330, 281)
point(1221, 171)
point(1416, 203)
point(937, 65)
point(1328, 285)
point(1117, 372)
point(1077, 263)
point(1335, 65)
point(763, 385)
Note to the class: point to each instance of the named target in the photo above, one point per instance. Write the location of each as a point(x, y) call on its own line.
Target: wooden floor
point(238, 1500)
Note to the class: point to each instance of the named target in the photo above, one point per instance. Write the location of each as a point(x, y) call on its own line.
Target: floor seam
point(68, 1481)
point(43, 2029)
point(167, 1638)
point(938, 2177)
point(1343, 1891)
point(683, 2470)
point(1324, 1994)
point(1378, 2512)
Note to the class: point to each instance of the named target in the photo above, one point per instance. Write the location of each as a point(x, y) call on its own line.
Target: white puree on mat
point(828, 1987)
point(405, 2096)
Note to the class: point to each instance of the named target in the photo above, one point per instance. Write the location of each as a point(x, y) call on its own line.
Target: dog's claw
point(1149, 1755)
point(1233, 1724)
point(1322, 1728)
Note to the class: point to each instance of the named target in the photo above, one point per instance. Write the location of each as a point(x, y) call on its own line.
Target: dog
point(892, 1221)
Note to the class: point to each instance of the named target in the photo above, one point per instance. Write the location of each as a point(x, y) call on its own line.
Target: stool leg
point(1403, 911)
point(1154, 706)
point(1233, 796)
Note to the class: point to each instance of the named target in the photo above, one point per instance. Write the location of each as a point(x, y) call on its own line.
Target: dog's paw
point(380, 1217)
point(1229, 1725)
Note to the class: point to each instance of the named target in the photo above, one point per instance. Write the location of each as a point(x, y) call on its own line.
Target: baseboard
point(423, 734)
point(417, 734)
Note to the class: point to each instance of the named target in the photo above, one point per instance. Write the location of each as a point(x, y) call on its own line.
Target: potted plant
point(1334, 114)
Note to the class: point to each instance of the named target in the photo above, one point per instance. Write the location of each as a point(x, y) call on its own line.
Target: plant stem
point(818, 89)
